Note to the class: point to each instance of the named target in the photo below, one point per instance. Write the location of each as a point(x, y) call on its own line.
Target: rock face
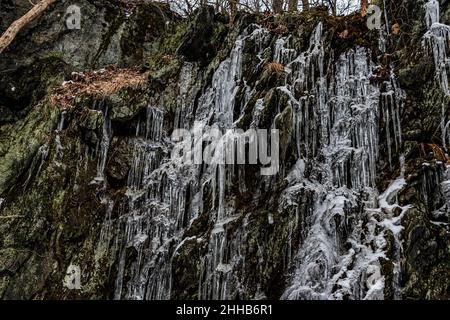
point(425, 116)
point(203, 37)
point(357, 208)
point(110, 33)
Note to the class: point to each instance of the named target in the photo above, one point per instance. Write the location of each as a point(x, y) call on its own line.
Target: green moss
point(165, 48)
point(21, 141)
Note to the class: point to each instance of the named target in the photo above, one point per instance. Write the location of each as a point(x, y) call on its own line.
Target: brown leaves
point(363, 8)
point(435, 151)
point(438, 153)
point(274, 67)
point(281, 29)
point(396, 29)
point(100, 84)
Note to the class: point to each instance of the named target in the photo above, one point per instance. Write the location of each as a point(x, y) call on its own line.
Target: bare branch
point(19, 24)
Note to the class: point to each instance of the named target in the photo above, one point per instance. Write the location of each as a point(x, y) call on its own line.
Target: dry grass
point(99, 84)
point(274, 67)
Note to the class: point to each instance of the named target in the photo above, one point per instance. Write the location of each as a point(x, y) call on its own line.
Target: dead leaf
point(344, 34)
point(396, 28)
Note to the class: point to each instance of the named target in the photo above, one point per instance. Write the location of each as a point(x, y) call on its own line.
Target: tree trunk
point(20, 23)
point(333, 4)
point(257, 5)
point(305, 5)
point(233, 10)
point(277, 6)
point(293, 5)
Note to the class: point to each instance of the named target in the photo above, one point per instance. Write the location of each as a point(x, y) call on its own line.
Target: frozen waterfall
point(345, 224)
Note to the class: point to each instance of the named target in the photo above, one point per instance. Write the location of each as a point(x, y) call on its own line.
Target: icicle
point(432, 12)
point(184, 116)
point(282, 54)
point(60, 126)
point(437, 40)
point(59, 147)
point(155, 121)
point(217, 271)
point(104, 146)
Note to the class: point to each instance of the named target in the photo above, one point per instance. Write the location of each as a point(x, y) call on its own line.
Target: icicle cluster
point(336, 120)
point(331, 200)
point(437, 40)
